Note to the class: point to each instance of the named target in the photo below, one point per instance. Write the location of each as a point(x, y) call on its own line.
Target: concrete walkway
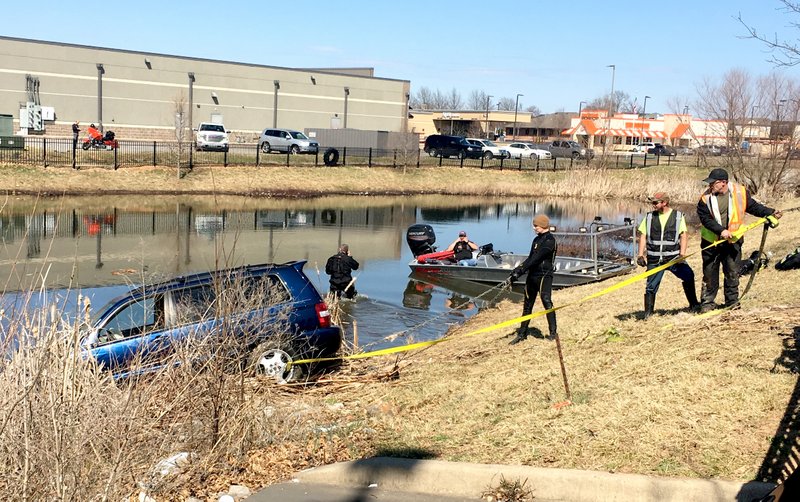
point(395, 480)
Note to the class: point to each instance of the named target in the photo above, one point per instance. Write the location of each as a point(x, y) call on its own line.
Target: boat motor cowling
point(421, 239)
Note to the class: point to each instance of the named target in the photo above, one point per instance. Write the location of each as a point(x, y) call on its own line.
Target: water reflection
point(116, 241)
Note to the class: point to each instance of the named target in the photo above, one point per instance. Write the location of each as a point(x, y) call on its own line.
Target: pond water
point(100, 246)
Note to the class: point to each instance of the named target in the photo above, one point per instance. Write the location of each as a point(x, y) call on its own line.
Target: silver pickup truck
point(567, 149)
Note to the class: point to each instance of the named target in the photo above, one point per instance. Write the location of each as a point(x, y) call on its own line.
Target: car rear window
point(298, 135)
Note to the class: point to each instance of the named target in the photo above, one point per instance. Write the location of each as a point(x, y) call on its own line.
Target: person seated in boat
point(463, 248)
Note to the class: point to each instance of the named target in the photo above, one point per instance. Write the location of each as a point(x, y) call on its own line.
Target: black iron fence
point(61, 152)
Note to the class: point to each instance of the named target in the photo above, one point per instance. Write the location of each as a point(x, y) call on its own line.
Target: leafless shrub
point(68, 431)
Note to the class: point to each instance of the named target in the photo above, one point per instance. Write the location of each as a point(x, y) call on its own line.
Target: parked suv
point(439, 145)
point(211, 136)
point(286, 140)
point(489, 148)
point(273, 313)
point(569, 149)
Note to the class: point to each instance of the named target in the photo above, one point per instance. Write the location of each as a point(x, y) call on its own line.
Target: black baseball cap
point(717, 175)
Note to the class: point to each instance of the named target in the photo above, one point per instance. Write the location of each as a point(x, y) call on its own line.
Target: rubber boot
point(691, 296)
point(551, 324)
point(522, 334)
point(649, 305)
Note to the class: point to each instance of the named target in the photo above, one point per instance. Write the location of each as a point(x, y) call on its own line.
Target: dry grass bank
point(675, 395)
point(683, 182)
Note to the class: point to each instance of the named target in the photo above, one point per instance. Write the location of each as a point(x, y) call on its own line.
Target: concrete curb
point(470, 480)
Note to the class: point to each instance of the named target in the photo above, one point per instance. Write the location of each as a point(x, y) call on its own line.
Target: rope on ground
point(636, 278)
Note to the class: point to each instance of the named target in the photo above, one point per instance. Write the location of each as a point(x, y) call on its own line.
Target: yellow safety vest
point(737, 205)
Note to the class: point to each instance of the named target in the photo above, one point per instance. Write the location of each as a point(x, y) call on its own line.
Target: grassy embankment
point(674, 395)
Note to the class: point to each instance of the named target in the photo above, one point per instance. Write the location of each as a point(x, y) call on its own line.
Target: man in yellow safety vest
point(721, 210)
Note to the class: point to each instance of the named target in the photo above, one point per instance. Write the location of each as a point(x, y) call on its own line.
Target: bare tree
point(422, 99)
point(733, 102)
point(785, 52)
point(621, 102)
point(478, 100)
point(181, 123)
point(506, 104)
point(534, 110)
point(454, 100)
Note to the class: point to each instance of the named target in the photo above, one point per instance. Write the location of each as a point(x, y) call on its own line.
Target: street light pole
point(611, 106)
point(613, 76)
point(644, 112)
point(487, 115)
point(516, 106)
point(277, 85)
point(346, 96)
point(752, 119)
point(580, 108)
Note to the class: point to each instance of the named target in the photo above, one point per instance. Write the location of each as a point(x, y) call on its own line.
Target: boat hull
point(494, 269)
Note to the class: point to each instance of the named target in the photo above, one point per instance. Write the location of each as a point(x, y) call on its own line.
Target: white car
point(643, 147)
point(211, 136)
point(527, 151)
point(490, 149)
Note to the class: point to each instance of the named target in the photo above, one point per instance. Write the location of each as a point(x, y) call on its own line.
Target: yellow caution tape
point(404, 348)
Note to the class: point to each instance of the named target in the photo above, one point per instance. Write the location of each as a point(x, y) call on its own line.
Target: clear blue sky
point(554, 53)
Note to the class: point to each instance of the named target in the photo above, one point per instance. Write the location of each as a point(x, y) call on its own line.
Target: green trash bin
point(6, 125)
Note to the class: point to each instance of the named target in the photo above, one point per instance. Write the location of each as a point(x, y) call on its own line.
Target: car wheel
point(534, 156)
point(462, 155)
point(294, 150)
point(576, 155)
point(272, 361)
point(488, 155)
point(265, 147)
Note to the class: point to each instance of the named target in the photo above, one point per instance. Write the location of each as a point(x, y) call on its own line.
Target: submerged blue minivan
point(269, 314)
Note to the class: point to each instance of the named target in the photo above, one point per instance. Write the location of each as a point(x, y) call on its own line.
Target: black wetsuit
point(539, 281)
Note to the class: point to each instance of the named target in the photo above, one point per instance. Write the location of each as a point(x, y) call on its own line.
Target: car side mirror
point(227, 132)
point(194, 130)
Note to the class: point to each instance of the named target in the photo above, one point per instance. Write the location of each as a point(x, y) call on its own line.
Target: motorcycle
point(98, 141)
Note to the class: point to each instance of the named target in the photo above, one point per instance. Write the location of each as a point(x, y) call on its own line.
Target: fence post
point(520, 162)
point(154, 153)
point(644, 162)
point(394, 160)
point(482, 157)
point(116, 160)
point(440, 160)
point(225, 158)
point(419, 154)
point(501, 162)
point(631, 164)
point(316, 158)
point(258, 150)
point(369, 160)
point(344, 155)
point(461, 160)
point(44, 151)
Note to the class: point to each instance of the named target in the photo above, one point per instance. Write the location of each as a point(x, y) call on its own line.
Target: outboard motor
point(421, 239)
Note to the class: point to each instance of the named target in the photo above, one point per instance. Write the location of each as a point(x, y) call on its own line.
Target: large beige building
point(137, 93)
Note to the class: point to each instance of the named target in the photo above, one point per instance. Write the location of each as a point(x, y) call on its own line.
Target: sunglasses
point(656, 202)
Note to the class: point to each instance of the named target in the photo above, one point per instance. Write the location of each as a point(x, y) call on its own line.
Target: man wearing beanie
point(539, 266)
point(721, 211)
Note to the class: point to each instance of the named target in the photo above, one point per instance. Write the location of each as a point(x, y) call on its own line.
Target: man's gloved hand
point(641, 261)
point(514, 275)
point(772, 221)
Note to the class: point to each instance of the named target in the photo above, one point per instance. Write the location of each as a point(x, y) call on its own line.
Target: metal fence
point(61, 152)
